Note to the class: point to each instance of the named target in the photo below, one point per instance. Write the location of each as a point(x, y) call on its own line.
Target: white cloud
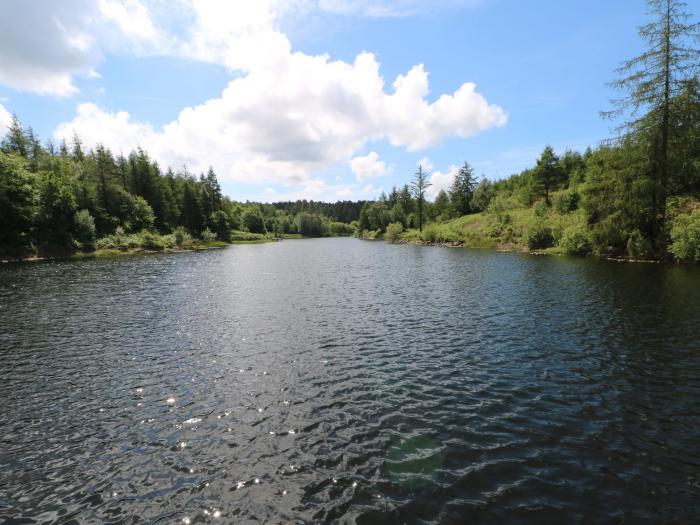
point(5, 120)
point(131, 17)
point(288, 115)
point(344, 193)
point(284, 123)
point(426, 164)
point(114, 130)
point(390, 8)
point(45, 43)
point(237, 34)
point(441, 181)
point(368, 166)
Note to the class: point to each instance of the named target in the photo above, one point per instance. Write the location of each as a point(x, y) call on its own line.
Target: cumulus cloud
point(131, 17)
point(114, 130)
point(389, 8)
point(305, 114)
point(426, 164)
point(368, 166)
point(441, 181)
point(5, 120)
point(288, 114)
point(45, 43)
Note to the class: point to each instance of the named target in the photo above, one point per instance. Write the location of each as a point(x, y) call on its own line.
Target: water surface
point(347, 381)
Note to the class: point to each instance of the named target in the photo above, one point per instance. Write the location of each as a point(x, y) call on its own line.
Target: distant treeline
point(57, 199)
point(341, 211)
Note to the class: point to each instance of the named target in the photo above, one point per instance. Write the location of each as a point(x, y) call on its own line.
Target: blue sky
point(281, 105)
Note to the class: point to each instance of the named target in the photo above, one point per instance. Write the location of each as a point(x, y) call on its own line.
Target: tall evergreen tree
point(405, 200)
point(419, 185)
point(15, 141)
point(462, 189)
point(16, 205)
point(650, 82)
point(547, 173)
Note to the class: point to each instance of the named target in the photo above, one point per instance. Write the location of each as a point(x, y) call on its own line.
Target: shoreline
point(114, 252)
point(108, 252)
point(512, 248)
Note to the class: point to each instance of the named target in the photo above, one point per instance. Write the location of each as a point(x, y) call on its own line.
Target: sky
point(318, 99)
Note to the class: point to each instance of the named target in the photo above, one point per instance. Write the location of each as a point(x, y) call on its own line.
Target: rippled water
point(343, 381)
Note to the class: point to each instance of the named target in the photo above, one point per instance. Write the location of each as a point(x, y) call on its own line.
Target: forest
point(635, 196)
point(59, 200)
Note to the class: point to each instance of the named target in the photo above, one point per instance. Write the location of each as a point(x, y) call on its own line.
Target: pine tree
point(419, 185)
point(462, 189)
point(404, 200)
point(15, 140)
point(652, 80)
point(547, 173)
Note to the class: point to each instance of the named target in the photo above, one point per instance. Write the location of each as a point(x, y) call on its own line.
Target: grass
point(509, 229)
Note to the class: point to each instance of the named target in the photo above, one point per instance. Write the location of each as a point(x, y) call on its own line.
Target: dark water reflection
point(349, 381)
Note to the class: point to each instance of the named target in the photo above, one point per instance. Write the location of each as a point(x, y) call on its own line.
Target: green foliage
point(181, 236)
point(240, 236)
point(84, 227)
point(463, 189)
point(618, 196)
point(502, 203)
point(338, 229)
point(207, 235)
point(221, 224)
point(151, 241)
point(54, 218)
point(253, 220)
point(575, 241)
point(431, 233)
point(310, 225)
point(541, 209)
point(440, 209)
point(375, 216)
point(16, 205)
point(394, 231)
point(483, 194)
point(547, 174)
point(369, 234)
point(540, 237)
point(419, 185)
point(140, 215)
point(638, 246)
point(567, 201)
point(685, 237)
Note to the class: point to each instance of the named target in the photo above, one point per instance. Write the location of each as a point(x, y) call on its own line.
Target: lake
point(338, 380)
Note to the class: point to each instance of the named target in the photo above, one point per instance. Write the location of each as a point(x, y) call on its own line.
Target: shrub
point(500, 204)
point(430, 233)
point(208, 235)
point(245, 236)
point(685, 237)
point(567, 202)
point(182, 236)
point(84, 226)
point(540, 237)
point(340, 228)
point(253, 220)
point(140, 214)
point(541, 209)
point(394, 231)
point(149, 241)
point(575, 241)
point(639, 246)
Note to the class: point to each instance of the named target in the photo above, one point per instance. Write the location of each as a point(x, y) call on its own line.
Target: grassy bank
point(122, 243)
point(541, 229)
